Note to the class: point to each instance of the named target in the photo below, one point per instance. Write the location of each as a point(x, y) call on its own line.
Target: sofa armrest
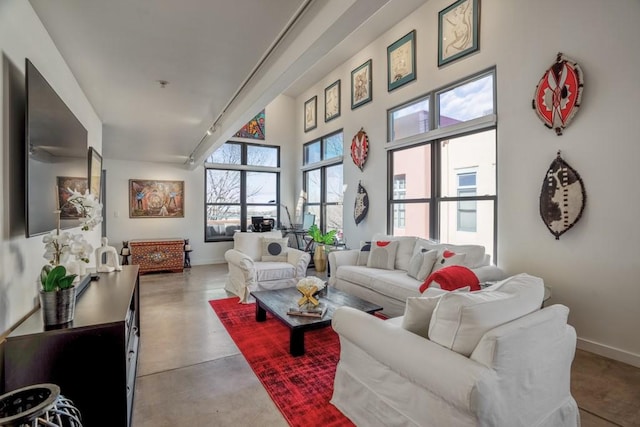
point(241, 261)
point(300, 260)
point(338, 258)
point(443, 372)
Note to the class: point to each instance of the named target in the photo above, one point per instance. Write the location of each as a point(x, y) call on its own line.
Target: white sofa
point(491, 365)
point(391, 288)
point(252, 268)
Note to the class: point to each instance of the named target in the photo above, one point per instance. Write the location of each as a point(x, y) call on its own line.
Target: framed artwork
point(361, 91)
point(458, 29)
point(401, 61)
point(254, 129)
point(95, 173)
point(156, 199)
point(310, 114)
point(65, 185)
point(332, 101)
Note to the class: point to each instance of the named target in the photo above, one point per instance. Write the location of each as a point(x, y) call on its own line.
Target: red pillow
point(452, 278)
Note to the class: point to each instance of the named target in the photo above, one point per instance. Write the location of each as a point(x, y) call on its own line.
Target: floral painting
point(156, 199)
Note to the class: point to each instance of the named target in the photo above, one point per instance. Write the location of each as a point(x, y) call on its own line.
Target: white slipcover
point(247, 273)
point(518, 374)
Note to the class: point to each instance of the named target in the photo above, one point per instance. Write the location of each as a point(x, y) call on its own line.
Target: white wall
point(592, 267)
point(23, 36)
point(120, 227)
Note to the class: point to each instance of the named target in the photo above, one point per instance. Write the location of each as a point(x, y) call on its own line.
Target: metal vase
point(58, 307)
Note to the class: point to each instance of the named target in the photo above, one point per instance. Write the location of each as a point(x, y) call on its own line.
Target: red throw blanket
point(452, 278)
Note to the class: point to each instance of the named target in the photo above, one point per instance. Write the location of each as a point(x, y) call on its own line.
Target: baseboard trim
point(610, 352)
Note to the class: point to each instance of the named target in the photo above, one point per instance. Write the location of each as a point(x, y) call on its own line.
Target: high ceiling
point(222, 61)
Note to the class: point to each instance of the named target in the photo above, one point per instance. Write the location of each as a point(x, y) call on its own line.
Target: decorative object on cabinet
point(361, 205)
point(361, 90)
point(187, 251)
point(563, 197)
point(38, 405)
point(558, 94)
point(156, 199)
point(310, 114)
point(93, 360)
point(107, 258)
point(458, 31)
point(360, 148)
point(332, 101)
point(57, 295)
point(401, 61)
point(95, 173)
point(125, 252)
point(158, 254)
point(320, 251)
point(254, 129)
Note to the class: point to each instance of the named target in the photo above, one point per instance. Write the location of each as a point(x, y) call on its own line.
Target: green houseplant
point(321, 239)
point(58, 295)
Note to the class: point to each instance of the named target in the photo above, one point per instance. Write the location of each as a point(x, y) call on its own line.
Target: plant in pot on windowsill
point(58, 292)
point(321, 240)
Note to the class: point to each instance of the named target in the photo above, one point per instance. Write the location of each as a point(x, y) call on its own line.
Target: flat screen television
point(56, 156)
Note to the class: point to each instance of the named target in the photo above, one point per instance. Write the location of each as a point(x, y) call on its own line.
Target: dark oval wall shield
point(362, 204)
point(558, 94)
point(360, 148)
point(563, 198)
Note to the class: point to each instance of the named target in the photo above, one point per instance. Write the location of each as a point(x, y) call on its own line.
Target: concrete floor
point(190, 373)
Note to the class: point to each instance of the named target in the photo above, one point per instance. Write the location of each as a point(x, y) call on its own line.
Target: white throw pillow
point(383, 254)
point(422, 263)
point(447, 258)
point(406, 244)
point(461, 318)
point(363, 255)
point(418, 311)
point(274, 249)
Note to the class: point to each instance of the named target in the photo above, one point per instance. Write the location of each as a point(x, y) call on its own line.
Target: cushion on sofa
point(363, 255)
point(274, 249)
point(452, 278)
point(422, 263)
point(447, 258)
point(250, 244)
point(418, 311)
point(267, 271)
point(406, 245)
point(383, 254)
point(461, 319)
point(475, 254)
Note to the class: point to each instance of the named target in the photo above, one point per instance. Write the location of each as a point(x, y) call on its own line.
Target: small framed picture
point(95, 173)
point(401, 61)
point(310, 114)
point(458, 29)
point(332, 101)
point(361, 91)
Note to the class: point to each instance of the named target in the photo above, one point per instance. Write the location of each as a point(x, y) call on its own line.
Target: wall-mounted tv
point(56, 153)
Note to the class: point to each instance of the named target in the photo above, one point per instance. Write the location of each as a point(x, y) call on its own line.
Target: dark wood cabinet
point(93, 359)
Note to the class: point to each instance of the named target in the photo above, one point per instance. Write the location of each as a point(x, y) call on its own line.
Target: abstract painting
point(255, 129)
point(66, 185)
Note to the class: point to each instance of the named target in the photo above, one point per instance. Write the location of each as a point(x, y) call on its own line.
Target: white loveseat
point(253, 268)
point(497, 360)
point(391, 287)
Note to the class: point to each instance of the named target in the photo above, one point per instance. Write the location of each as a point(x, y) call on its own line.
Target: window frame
point(244, 168)
point(433, 137)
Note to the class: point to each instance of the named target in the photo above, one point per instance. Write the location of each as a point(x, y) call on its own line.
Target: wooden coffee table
point(278, 302)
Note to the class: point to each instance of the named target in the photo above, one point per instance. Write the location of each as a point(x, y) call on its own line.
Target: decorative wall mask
point(563, 198)
point(360, 148)
point(558, 94)
point(362, 204)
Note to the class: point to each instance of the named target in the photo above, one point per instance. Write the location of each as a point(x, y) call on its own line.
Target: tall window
point(241, 181)
point(323, 181)
point(449, 171)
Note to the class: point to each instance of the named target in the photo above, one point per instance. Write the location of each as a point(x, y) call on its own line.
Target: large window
point(241, 181)
point(323, 181)
point(442, 181)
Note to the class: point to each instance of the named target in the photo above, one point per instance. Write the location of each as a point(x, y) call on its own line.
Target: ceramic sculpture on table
point(111, 262)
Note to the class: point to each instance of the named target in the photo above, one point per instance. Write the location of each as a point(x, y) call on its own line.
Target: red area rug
point(302, 386)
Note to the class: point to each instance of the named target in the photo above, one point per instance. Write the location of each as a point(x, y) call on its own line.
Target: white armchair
point(251, 267)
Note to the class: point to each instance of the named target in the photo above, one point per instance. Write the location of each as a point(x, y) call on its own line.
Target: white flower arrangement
point(88, 207)
point(59, 246)
point(308, 282)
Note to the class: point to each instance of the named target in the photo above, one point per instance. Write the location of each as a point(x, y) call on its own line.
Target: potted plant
point(57, 295)
point(321, 239)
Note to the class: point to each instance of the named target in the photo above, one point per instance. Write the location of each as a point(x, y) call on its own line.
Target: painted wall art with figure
point(156, 199)
point(458, 29)
point(66, 186)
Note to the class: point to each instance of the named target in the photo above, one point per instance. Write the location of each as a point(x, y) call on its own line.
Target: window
point(443, 181)
point(241, 181)
point(323, 181)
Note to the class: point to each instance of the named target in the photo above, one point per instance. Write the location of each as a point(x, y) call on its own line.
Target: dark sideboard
point(93, 359)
